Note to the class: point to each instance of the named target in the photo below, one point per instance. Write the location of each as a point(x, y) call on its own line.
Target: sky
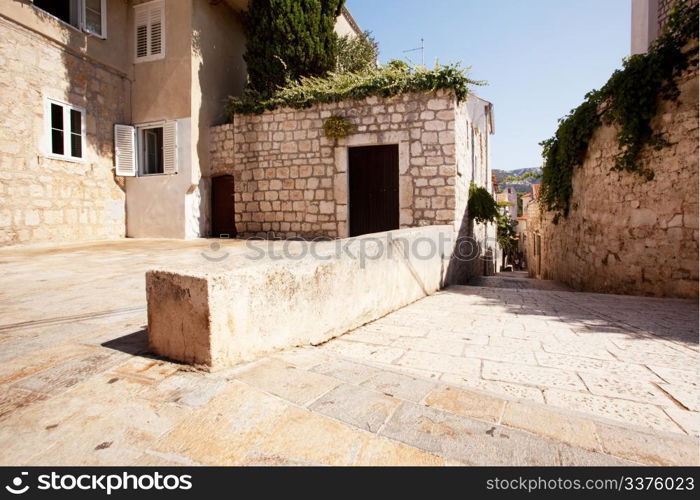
point(539, 57)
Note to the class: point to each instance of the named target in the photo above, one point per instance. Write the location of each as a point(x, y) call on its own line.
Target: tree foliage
point(629, 100)
point(481, 207)
point(357, 54)
point(288, 40)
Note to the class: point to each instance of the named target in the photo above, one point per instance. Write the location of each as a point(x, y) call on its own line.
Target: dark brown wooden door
point(374, 189)
point(223, 207)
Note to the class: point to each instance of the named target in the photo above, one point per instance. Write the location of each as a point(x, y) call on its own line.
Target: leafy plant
point(629, 100)
point(506, 235)
point(481, 207)
point(337, 127)
point(357, 54)
point(395, 78)
point(289, 39)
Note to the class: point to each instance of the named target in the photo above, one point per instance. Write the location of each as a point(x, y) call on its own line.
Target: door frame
point(342, 163)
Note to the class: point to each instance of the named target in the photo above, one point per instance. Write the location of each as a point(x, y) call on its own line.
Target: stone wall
point(623, 234)
point(292, 181)
point(43, 199)
point(664, 9)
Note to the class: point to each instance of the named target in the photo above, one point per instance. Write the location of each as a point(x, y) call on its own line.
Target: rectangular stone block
point(217, 316)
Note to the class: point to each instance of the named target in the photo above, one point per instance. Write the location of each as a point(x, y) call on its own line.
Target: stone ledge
point(223, 317)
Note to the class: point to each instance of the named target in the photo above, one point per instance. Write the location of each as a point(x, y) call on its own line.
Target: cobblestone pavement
point(472, 375)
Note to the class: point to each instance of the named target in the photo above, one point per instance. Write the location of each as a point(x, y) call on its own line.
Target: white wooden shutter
point(170, 147)
point(125, 150)
point(141, 23)
point(149, 22)
point(155, 21)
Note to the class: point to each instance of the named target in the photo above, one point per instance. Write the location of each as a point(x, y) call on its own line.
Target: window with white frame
point(87, 15)
point(149, 31)
point(65, 130)
point(146, 149)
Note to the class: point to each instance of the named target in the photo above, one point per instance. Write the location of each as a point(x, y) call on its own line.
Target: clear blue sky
point(540, 57)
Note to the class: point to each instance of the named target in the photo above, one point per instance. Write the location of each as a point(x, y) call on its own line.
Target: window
point(65, 130)
point(151, 153)
point(149, 31)
point(95, 17)
point(146, 149)
point(87, 15)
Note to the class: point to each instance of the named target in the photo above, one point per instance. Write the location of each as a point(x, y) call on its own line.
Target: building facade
point(109, 107)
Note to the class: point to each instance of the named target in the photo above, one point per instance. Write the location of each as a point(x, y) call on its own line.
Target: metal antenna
point(422, 51)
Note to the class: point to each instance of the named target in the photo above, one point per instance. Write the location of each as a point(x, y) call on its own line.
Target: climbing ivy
point(481, 207)
point(629, 100)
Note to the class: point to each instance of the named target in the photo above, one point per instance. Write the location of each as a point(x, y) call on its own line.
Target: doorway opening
point(223, 207)
point(373, 178)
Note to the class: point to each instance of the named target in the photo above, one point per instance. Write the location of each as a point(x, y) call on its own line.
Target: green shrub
point(357, 54)
point(395, 78)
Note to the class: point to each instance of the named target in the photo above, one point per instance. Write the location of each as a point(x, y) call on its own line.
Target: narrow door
point(223, 208)
point(374, 189)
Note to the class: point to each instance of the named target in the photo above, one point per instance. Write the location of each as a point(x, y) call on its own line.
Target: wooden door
point(223, 207)
point(373, 177)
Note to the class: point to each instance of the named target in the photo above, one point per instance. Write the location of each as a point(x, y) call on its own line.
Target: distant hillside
point(522, 186)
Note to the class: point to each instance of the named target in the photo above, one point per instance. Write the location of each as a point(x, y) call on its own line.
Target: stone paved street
point(512, 372)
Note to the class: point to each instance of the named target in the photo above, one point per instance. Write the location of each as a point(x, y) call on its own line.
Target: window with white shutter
point(125, 150)
point(149, 31)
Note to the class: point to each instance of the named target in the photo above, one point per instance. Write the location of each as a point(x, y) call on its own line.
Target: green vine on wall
point(629, 100)
point(337, 127)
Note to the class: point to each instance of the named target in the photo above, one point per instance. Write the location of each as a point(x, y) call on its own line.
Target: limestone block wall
point(623, 234)
point(43, 199)
point(291, 180)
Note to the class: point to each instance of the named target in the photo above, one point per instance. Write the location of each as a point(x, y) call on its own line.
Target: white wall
point(157, 206)
point(645, 24)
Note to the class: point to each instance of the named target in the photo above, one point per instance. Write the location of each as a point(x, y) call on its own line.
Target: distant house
point(509, 198)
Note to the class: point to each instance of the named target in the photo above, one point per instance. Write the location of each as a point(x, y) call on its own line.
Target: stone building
point(292, 181)
point(509, 198)
point(108, 110)
point(624, 234)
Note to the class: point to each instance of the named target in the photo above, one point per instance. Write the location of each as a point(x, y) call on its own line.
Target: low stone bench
point(216, 317)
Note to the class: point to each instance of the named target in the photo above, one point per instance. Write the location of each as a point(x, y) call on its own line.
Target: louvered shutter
point(156, 29)
point(141, 23)
point(149, 22)
point(125, 150)
point(170, 147)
